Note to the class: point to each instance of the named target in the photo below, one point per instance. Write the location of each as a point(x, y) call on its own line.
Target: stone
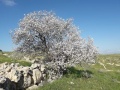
point(35, 61)
point(2, 89)
point(12, 65)
point(2, 72)
point(8, 69)
point(36, 76)
point(5, 54)
point(71, 83)
point(2, 79)
point(3, 65)
point(42, 68)
point(17, 65)
point(6, 84)
point(14, 75)
point(32, 87)
point(44, 75)
point(27, 59)
point(20, 83)
point(35, 65)
point(25, 69)
point(27, 81)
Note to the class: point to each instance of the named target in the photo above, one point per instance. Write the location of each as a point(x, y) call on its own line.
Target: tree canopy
point(59, 39)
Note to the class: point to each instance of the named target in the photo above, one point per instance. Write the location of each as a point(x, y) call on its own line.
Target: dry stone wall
point(16, 77)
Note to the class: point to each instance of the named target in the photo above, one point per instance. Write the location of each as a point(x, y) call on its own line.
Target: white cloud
point(8, 2)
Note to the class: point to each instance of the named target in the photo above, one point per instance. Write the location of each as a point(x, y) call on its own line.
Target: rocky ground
point(16, 77)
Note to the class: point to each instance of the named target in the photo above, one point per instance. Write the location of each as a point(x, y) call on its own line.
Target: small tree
point(59, 39)
point(1, 51)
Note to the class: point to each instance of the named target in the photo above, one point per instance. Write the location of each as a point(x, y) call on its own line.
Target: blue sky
point(99, 19)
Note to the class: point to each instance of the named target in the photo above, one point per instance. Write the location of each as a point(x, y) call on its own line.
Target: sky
point(98, 19)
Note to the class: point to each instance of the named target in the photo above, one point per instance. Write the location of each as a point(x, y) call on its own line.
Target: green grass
point(74, 80)
point(4, 58)
point(100, 80)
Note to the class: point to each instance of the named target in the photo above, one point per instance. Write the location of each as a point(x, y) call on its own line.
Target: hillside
point(5, 58)
point(105, 75)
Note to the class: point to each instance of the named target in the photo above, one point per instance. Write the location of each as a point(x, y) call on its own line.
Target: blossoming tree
point(59, 39)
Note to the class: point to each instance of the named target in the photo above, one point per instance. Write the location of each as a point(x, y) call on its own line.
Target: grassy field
point(105, 75)
point(4, 58)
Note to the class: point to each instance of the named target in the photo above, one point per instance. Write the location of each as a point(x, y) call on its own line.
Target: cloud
point(8, 2)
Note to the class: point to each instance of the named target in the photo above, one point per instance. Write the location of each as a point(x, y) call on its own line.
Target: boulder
point(27, 73)
point(6, 84)
point(8, 69)
point(3, 65)
point(2, 72)
point(35, 65)
point(2, 79)
point(36, 76)
point(14, 75)
point(20, 83)
point(27, 81)
point(24, 69)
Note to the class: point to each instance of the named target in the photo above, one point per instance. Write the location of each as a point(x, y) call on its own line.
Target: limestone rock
point(2, 89)
point(35, 65)
point(8, 69)
point(42, 68)
point(14, 75)
point(2, 79)
point(6, 84)
point(32, 87)
point(27, 81)
point(2, 72)
point(36, 76)
point(3, 65)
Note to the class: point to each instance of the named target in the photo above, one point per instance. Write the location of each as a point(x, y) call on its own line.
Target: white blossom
point(60, 39)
